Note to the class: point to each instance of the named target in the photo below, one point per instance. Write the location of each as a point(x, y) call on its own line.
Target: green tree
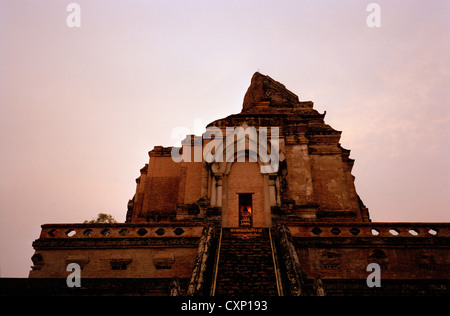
point(102, 218)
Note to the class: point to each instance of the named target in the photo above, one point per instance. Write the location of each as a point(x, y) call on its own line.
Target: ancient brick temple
point(270, 209)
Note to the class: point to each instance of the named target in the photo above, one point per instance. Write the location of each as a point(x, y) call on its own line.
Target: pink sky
point(81, 107)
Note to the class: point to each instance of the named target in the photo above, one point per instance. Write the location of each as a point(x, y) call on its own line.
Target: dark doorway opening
point(245, 210)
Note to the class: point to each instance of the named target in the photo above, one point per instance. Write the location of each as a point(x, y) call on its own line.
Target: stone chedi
point(243, 225)
point(313, 180)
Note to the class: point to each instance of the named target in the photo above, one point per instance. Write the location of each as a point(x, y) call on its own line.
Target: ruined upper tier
point(267, 102)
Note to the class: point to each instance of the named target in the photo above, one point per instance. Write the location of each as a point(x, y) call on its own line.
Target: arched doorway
point(245, 196)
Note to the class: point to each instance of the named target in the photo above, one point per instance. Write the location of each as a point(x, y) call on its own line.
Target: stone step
point(246, 267)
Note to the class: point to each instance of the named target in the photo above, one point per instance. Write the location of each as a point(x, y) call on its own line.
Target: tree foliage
point(102, 218)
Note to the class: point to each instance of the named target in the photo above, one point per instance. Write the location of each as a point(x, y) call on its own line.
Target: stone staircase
point(245, 266)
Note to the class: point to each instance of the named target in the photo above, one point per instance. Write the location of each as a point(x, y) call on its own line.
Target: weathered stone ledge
point(381, 229)
point(126, 230)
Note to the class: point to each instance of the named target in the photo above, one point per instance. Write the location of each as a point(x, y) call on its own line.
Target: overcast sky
point(81, 107)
